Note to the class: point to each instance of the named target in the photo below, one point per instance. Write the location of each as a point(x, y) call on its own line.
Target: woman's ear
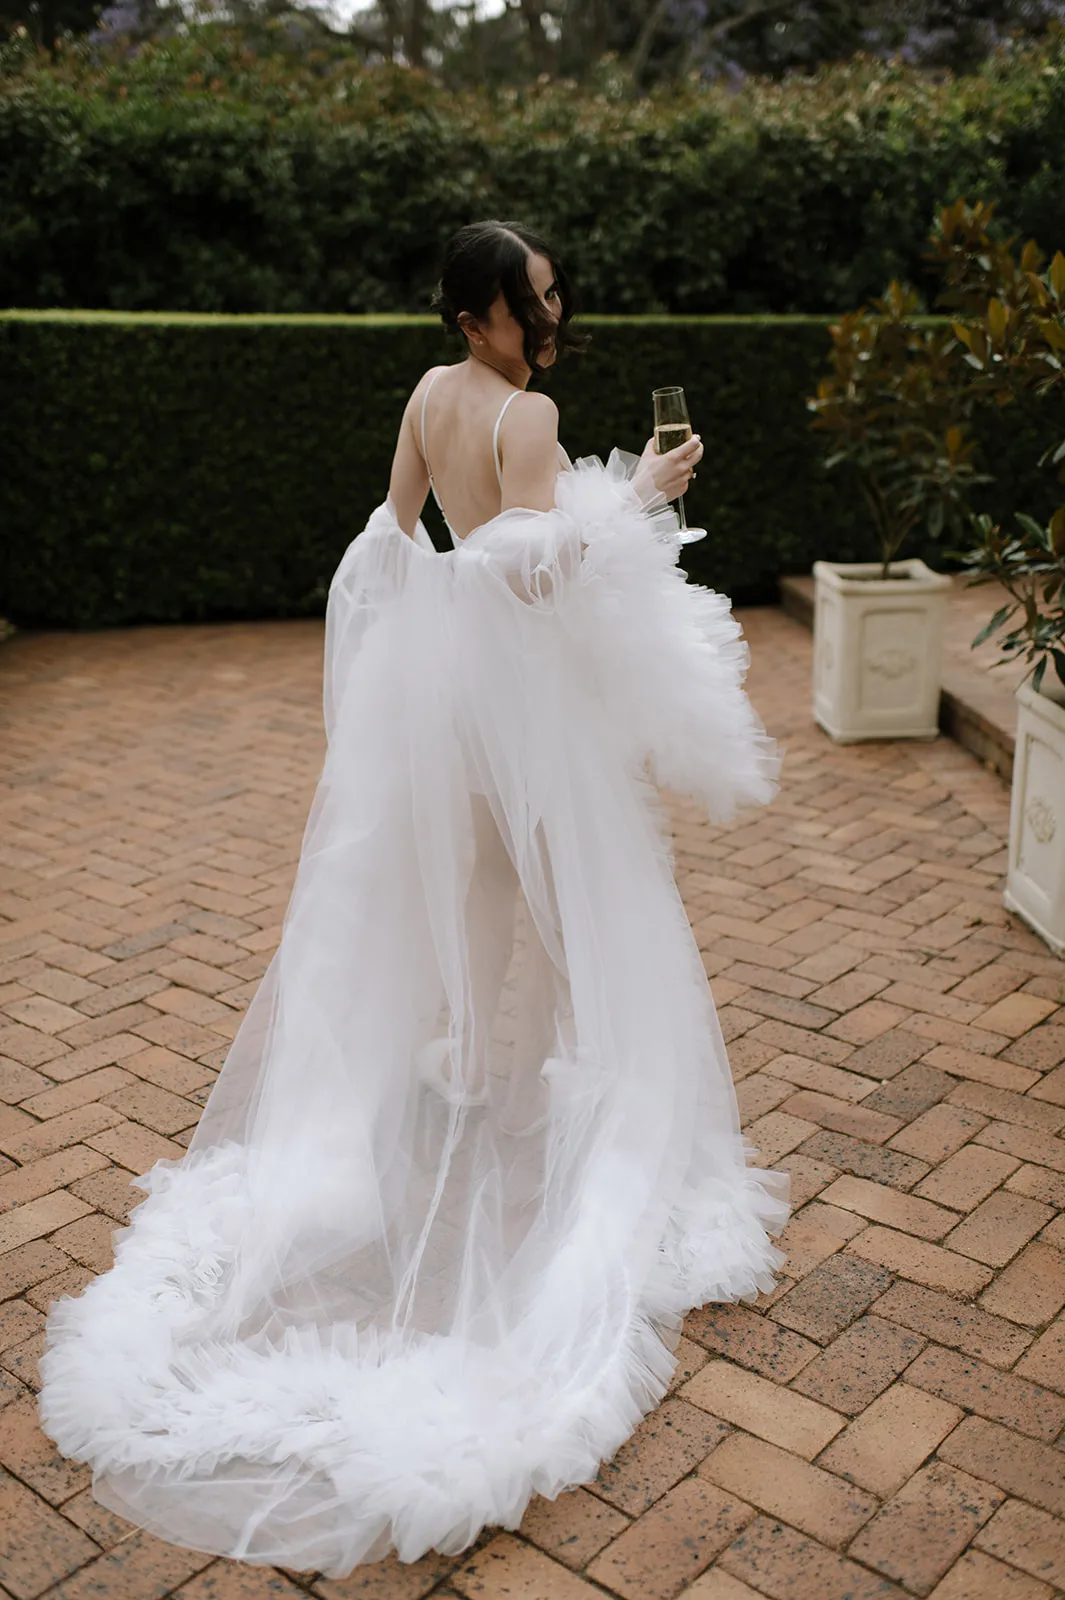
point(468, 325)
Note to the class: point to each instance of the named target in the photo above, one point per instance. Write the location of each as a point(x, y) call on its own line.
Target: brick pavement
point(888, 1422)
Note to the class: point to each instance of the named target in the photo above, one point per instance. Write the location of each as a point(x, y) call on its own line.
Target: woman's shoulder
point(414, 409)
point(428, 377)
point(528, 432)
point(535, 403)
point(531, 412)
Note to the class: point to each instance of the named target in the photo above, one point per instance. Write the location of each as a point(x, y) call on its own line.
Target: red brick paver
point(888, 1422)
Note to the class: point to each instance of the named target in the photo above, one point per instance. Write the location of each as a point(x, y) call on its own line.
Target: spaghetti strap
point(495, 435)
point(425, 458)
point(425, 396)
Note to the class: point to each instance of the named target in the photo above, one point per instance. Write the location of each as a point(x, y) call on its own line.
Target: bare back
point(466, 410)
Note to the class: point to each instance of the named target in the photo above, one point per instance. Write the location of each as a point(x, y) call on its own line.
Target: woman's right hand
point(671, 473)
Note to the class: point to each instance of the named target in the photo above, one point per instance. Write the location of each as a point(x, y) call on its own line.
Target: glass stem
point(680, 512)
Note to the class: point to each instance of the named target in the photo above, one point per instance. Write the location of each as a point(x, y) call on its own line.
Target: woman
point(474, 1151)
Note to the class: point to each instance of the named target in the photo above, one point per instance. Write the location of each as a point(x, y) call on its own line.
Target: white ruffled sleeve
point(372, 573)
point(669, 655)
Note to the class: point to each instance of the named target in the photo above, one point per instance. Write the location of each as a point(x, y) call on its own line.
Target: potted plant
point(895, 403)
point(1012, 324)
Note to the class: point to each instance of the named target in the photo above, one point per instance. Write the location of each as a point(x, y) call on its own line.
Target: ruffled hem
point(412, 1446)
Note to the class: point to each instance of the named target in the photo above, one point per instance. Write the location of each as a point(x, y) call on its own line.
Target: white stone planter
point(1035, 882)
point(878, 646)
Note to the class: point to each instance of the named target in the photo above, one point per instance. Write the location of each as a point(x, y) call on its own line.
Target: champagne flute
point(673, 427)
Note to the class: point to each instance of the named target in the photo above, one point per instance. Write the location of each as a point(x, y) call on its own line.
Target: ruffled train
point(474, 1151)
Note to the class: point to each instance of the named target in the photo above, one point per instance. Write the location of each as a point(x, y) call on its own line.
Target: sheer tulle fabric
point(474, 1150)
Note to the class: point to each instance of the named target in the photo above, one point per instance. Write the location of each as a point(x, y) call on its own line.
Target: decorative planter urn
point(878, 646)
point(1035, 880)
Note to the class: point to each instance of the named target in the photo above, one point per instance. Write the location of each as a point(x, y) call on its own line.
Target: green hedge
point(189, 178)
point(168, 467)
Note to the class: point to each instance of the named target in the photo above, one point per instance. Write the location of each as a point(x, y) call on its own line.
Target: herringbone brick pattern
point(888, 1422)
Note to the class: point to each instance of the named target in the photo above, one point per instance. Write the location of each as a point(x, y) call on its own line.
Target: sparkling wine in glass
point(673, 427)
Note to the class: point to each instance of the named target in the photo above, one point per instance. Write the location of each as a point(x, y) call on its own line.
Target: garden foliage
point(1010, 322)
point(895, 404)
point(169, 467)
point(197, 175)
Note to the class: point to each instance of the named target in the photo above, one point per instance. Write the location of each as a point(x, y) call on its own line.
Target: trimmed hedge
point(191, 177)
point(170, 468)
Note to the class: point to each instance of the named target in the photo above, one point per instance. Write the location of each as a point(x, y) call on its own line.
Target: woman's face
point(503, 334)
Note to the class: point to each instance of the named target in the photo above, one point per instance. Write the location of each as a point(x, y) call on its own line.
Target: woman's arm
point(409, 483)
point(528, 446)
point(528, 440)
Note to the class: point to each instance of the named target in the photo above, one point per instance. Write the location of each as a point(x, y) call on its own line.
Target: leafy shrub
point(1011, 323)
point(197, 176)
point(175, 467)
point(895, 407)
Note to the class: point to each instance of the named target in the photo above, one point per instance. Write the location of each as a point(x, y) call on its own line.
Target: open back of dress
point(564, 462)
point(474, 1150)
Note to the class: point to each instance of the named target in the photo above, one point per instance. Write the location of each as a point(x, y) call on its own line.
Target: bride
point(474, 1151)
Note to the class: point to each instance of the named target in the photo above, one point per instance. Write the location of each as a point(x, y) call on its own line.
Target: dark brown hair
point(485, 258)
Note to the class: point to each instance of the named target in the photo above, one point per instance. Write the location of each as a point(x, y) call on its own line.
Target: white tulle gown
point(475, 1148)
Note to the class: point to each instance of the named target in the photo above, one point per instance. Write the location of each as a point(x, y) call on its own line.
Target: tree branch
point(755, 13)
point(648, 33)
point(393, 26)
point(532, 14)
point(414, 40)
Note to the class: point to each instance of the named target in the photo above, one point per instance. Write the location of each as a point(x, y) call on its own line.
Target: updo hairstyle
point(484, 258)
